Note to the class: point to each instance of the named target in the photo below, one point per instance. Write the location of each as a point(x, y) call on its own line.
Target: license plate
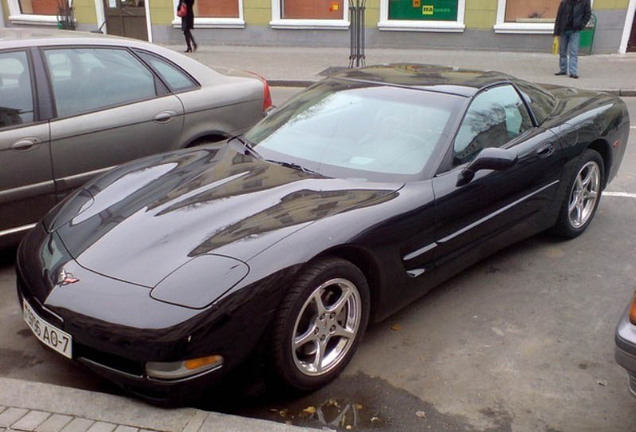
point(48, 334)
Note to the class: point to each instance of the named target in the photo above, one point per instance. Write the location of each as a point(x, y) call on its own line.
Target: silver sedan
point(73, 105)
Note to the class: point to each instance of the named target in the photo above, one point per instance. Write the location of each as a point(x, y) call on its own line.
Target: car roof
point(26, 37)
point(446, 79)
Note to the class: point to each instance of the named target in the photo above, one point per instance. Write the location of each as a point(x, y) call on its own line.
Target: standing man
point(571, 18)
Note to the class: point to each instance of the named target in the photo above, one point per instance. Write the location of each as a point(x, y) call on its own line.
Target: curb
point(38, 407)
point(290, 83)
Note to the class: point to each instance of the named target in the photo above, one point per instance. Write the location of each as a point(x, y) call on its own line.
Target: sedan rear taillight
point(267, 94)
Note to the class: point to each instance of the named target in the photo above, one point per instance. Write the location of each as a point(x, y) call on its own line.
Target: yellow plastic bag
point(555, 45)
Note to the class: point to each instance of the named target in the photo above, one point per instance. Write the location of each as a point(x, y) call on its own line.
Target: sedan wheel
point(320, 324)
point(585, 188)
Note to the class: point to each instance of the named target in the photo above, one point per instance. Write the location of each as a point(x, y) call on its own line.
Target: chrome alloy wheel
point(326, 327)
point(584, 195)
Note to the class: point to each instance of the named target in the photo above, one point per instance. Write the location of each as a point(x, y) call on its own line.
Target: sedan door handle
point(165, 116)
point(25, 144)
point(545, 150)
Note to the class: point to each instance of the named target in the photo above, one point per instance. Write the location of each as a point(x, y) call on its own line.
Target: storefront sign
point(439, 10)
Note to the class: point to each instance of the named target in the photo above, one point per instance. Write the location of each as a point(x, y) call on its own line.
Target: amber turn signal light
point(202, 361)
point(183, 369)
point(632, 310)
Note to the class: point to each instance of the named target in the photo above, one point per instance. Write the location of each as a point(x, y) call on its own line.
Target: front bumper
point(117, 327)
point(625, 352)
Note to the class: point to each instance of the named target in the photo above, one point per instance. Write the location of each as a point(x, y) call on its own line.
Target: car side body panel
point(85, 145)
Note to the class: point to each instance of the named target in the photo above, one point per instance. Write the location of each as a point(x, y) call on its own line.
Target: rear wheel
point(319, 324)
point(584, 194)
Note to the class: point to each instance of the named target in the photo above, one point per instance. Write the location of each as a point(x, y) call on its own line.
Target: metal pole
point(362, 34)
point(356, 41)
point(352, 34)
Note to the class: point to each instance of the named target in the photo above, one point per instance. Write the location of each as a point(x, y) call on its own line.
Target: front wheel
point(584, 194)
point(319, 324)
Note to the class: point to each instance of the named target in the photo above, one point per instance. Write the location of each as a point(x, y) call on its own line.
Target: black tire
point(312, 343)
point(583, 195)
point(206, 140)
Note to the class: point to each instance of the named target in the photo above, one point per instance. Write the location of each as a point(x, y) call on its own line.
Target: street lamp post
point(356, 31)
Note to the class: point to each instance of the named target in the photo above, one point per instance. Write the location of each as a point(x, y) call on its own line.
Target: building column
point(1, 15)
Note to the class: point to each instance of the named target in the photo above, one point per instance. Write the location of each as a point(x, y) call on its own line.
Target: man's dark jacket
point(579, 11)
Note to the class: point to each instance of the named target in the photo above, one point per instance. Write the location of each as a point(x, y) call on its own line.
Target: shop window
point(526, 16)
point(318, 9)
point(314, 14)
point(422, 15)
point(216, 9)
point(214, 14)
point(38, 7)
point(36, 12)
point(528, 11)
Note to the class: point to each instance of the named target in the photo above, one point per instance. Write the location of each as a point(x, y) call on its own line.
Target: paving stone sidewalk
point(38, 407)
point(296, 66)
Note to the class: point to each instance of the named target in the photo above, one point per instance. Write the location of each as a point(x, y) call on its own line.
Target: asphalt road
point(522, 341)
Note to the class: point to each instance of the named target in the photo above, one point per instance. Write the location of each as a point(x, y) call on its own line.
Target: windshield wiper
point(248, 148)
point(293, 166)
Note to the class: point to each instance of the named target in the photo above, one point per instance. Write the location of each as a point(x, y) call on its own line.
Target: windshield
point(358, 130)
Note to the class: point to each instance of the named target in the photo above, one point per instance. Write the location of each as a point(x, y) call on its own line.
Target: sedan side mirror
point(492, 158)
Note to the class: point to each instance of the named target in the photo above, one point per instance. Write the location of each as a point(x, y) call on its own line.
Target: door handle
point(164, 116)
point(25, 144)
point(545, 150)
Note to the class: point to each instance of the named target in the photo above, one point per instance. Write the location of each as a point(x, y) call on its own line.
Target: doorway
point(126, 18)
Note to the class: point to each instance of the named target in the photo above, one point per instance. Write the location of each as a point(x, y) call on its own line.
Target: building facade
point(509, 25)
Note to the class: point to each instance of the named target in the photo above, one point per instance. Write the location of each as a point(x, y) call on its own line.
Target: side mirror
point(491, 158)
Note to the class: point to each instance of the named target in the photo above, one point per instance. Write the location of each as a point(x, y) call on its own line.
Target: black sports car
point(350, 201)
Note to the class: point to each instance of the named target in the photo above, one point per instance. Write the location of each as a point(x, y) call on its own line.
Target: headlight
point(200, 281)
point(183, 369)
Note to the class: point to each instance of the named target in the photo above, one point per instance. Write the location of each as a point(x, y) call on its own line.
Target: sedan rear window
point(175, 78)
point(358, 130)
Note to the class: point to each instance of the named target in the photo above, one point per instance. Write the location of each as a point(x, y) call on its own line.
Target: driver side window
point(494, 117)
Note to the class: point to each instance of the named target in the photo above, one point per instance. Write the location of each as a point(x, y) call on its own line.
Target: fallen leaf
point(396, 327)
point(375, 419)
point(601, 382)
point(310, 410)
point(420, 414)
point(358, 406)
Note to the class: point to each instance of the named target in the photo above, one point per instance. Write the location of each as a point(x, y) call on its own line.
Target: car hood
point(144, 220)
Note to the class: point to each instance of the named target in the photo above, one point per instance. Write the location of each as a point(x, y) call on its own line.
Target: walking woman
point(187, 23)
